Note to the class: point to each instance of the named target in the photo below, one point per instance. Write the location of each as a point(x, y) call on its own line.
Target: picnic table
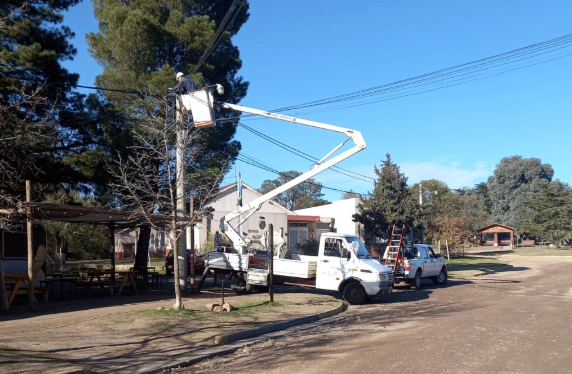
point(111, 279)
point(16, 280)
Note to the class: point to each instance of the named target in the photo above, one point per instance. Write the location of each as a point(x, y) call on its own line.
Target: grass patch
point(166, 313)
point(256, 307)
point(464, 266)
point(542, 251)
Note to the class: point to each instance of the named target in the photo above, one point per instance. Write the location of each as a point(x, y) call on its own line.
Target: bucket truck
point(343, 264)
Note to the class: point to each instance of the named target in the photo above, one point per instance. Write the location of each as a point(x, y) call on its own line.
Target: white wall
point(341, 211)
point(225, 202)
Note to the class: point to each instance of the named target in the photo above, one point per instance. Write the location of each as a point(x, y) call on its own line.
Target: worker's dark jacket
point(185, 85)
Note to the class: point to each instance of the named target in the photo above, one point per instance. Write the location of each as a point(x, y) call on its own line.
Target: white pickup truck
point(343, 265)
point(419, 262)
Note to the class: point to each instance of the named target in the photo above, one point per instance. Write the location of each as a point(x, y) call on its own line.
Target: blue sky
point(299, 51)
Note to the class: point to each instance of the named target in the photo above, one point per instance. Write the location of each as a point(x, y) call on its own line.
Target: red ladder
point(394, 257)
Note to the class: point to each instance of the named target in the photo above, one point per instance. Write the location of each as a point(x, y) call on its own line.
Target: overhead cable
point(259, 164)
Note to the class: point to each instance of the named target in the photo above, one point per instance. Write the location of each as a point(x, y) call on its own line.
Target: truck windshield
point(358, 247)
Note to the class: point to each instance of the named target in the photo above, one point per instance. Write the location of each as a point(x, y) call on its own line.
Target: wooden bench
point(17, 284)
point(22, 291)
point(527, 243)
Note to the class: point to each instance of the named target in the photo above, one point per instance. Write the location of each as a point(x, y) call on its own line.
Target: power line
point(252, 161)
point(219, 33)
point(444, 78)
point(467, 70)
point(305, 155)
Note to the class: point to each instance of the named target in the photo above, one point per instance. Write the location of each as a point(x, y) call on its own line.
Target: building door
point(297, 234)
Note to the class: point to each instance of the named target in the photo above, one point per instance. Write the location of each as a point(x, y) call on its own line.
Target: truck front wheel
point(354, 293)
point(441, 278)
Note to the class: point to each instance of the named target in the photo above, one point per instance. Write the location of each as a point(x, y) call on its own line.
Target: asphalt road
point(516, 321)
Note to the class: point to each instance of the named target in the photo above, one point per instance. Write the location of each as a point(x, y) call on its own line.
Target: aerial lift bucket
point(200, 103)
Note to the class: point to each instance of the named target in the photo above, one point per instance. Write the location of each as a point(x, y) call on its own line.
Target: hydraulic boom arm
point(201, 103)
point(323, 164)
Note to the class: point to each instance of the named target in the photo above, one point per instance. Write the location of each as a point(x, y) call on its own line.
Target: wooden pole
point(181, 253)
point(271, 262)
point(447, 245)
point(112, 250)
point(30, 233)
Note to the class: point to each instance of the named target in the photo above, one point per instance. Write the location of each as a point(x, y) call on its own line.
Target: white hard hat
point(179, 74)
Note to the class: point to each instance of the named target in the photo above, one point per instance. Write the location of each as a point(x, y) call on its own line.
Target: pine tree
point(37, 104)
point(142, 45)
point(550, 212)
point(391, 202)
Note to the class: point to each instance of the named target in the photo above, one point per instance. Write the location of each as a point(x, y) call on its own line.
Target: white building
point(296, 227)
point(336, 216)
point(225, 201)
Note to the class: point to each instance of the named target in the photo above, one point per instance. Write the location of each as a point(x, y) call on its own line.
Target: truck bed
point(298, 267)
point(228, 261)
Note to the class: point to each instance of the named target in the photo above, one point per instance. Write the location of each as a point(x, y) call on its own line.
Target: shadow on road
point(495, 270)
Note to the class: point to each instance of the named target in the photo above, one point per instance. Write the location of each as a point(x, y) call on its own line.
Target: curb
point(272, 327)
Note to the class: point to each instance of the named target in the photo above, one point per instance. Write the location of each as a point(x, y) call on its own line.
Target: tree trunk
point(142, 248)
point(174, 244)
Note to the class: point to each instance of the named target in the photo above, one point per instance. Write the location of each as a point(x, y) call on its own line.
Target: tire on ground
point(354, 293)
point(417, 280)
point(239, 285)
point(441, 278)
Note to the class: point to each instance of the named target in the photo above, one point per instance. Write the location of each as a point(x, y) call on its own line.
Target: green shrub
point(309, 248)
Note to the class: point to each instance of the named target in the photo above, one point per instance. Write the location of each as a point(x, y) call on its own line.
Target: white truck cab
point(343, 260)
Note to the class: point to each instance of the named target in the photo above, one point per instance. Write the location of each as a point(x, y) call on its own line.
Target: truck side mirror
point(349, 255)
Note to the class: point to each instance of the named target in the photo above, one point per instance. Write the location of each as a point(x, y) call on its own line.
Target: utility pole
point(180, 184)
point(421, 233)
point(271, 262)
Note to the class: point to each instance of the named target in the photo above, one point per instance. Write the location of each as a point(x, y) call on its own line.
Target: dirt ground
point(103, 333)
point(513, 321)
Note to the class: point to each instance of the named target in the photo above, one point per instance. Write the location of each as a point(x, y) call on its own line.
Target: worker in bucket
point(185, 84)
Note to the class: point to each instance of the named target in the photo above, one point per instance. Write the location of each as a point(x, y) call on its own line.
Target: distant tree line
point(520, 194)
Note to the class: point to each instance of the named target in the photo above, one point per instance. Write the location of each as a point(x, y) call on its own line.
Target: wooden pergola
point(111, 218)
point(496, 229)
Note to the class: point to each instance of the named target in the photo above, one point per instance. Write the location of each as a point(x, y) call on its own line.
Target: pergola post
point(112, 250)
point(30, 228)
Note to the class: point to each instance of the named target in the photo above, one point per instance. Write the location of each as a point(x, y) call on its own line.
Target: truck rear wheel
point(417, 280)
point(239, 285)
point(354, 293)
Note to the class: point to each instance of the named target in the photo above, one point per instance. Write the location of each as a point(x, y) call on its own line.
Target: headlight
point(382, 277)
